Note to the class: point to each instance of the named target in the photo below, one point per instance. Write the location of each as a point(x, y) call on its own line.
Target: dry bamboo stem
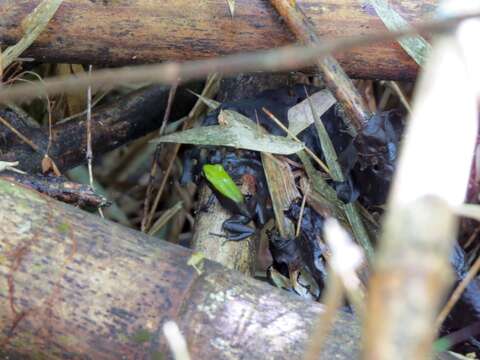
point(286, 58)
point(77, 286)
point(145, 31)
point(412, 272)
point(333, 74)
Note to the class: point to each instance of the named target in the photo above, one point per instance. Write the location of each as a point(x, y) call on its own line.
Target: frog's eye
point(222, 182)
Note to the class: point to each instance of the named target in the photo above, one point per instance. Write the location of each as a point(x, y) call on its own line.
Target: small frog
point(231, 198)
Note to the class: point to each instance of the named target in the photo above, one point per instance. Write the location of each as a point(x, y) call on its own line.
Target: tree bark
point(76, 286)
point(139, 31)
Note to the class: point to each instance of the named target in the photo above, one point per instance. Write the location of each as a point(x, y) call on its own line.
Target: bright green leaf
point(222, 182)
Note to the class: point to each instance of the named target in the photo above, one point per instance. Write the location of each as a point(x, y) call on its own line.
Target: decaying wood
point(58, 188)
point(126, 119)
point(332, 72)
point(129, 32)
point(75, 285)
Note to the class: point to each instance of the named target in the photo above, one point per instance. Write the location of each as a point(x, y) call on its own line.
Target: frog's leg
point(237, 229)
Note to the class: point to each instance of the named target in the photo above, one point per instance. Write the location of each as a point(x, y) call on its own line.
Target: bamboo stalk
point(412, 272)
point(333, 74)
point(285, 58)
point(78, 286)
point(144, 31)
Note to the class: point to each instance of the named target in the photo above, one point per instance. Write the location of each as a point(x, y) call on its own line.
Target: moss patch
point(156, 355)
point(141, 336)
point(63, 228)
point(10, 188)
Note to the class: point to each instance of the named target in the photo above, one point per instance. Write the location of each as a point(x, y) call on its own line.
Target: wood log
point(113, 125)
point(59, 188)
point(76, 286)
point(138, 31)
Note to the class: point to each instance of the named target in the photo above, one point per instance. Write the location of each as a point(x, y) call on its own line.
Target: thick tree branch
point(282, 59)
point(116, 124)
point(132, 32)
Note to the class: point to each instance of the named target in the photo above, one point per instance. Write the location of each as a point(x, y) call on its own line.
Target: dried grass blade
point(281, 185)
point(415, 46)
point(33, 26)
point(350, 209)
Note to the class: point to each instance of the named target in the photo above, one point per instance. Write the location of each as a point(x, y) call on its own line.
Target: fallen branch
point(75, 285)
point(126, 119)
point(144, 31)
point(286, 58)
point(59, 188)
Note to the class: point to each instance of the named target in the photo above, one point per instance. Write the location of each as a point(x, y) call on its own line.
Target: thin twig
point(399, 92)
point(334, 76)
point(168, 110)
point(1, 68)
point(149, 190)
point(165, 178)
point(176, 341)
point(457, 293)
point(10, 165)
point(20, 135)
point(50, 125)
point(472, 237)
point(89, 137)
point(89, 130)
point(282, 59)
point(165, 218)
point(148, 215)
point(302, 208)
point(332, 299)
point(346, 260)
point(84, 112)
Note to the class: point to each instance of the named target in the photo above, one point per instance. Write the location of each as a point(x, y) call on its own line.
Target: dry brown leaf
point(48, 165)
